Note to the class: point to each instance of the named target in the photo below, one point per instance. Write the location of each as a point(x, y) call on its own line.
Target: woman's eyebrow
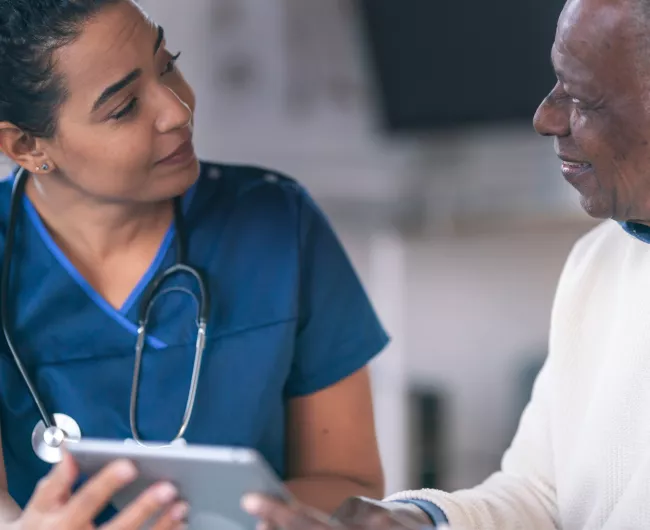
point(109, 92)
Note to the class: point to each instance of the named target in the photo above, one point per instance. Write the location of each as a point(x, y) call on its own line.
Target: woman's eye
point(171, 65)
point(128, 109)
point(132, 105)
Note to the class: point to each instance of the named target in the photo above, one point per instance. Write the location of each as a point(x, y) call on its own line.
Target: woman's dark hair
point(30, 32)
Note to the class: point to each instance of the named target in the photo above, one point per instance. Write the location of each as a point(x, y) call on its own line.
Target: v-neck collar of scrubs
point(120, 315)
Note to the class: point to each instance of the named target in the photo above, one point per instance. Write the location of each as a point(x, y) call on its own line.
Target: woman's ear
point(22, 148)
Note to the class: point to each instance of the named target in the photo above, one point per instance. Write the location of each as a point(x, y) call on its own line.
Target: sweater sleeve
point(522, 495)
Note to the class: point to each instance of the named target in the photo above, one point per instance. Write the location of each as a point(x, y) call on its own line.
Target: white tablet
point(211, 479)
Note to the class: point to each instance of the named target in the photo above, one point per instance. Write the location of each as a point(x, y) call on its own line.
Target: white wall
point(476, 310)
point(479, 310)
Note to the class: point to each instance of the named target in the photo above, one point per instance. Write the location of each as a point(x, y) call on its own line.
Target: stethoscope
point(53, 430)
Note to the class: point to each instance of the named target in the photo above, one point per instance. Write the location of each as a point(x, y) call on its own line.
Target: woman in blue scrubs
point(93, 106)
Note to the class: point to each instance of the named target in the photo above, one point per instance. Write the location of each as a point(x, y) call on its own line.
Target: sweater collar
point(637, 230)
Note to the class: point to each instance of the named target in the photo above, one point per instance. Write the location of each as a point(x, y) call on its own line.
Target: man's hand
point(355, 514)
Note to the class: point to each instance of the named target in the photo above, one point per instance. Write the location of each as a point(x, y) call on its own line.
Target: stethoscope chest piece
point(47, 441)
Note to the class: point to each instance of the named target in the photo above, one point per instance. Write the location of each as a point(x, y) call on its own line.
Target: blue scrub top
point(289, 317)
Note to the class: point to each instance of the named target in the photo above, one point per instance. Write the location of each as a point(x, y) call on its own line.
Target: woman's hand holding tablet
point(212, 480)
point(54, 506)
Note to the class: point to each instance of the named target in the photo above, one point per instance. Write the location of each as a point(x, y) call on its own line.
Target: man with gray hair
point(581, 457)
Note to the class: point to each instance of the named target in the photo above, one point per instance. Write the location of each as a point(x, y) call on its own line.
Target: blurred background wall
point(410, 122)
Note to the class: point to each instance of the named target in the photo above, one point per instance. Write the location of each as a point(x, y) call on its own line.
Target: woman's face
point(124, 132)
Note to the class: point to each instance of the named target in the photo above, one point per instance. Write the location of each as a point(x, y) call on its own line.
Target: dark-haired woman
point(94, 109)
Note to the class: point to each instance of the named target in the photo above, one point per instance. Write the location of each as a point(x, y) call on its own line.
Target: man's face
point(599, 110)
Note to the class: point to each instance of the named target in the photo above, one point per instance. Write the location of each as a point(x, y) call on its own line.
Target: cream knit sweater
point(581, 457)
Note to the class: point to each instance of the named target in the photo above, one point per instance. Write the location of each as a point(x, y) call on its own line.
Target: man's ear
point(21, 147)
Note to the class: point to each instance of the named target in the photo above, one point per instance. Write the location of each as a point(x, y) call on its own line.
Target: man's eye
point(581, 105)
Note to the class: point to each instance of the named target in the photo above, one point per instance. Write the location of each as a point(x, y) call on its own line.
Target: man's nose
point(552, 118)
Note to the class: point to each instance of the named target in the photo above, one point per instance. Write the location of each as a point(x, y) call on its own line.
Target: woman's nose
point(175, 113)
